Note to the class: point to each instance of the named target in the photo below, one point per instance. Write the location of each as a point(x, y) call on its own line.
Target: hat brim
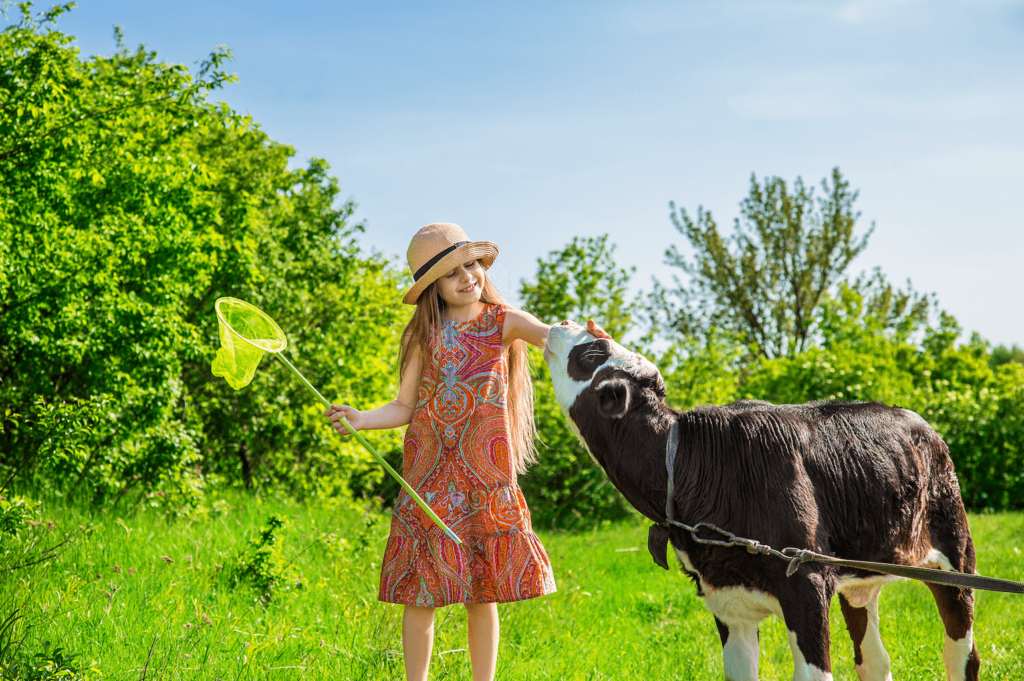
point(484, 251)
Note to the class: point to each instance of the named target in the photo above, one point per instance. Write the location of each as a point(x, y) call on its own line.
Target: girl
point(465, 393)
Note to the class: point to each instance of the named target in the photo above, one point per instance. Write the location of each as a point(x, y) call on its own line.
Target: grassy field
point(138, 592)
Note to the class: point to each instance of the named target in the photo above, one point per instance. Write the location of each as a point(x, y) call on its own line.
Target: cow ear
point(613, 398)
point(657, 544)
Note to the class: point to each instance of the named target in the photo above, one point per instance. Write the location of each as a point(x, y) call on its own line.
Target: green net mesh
point(246, 332)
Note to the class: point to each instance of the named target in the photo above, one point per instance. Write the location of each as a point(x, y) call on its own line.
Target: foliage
point(978, 412)
point(262, 566)
point(51, 663)
point(900, 314)
point(766, 282)
point(128, 203)
point(857, 362)
point(98, 250)
point(700, 370)
point(581, 281)
point(15, 514)
point(338, 307)
point(1002, 354)
point(29, 543)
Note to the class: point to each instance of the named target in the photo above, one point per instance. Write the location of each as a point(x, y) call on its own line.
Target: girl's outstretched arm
point(394, 414)
point(524, 326)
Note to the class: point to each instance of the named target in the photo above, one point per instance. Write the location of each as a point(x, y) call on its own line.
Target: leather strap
point(671, 447)
point(949, 578)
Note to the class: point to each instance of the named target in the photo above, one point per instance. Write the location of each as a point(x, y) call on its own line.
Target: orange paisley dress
point(456, 456)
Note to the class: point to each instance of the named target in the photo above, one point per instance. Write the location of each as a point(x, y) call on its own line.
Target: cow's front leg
point(805, 611)
point(740, 649)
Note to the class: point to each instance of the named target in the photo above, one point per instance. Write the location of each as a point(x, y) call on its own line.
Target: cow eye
point(585, 359)
point(595, 353)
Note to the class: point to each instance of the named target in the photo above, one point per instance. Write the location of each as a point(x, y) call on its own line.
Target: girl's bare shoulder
point(521, 325)
point(514, 316)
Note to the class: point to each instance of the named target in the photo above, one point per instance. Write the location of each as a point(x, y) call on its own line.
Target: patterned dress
point(457, 458)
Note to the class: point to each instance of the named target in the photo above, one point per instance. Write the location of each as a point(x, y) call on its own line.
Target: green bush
point(51, 663)
point(263, 567)
point(129, 202)
point(567, 488)
point(102, 218)
point(978, 412)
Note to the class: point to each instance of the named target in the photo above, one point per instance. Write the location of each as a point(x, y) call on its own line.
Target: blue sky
point(529, 123)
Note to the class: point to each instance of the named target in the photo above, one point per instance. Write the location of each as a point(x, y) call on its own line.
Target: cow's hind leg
point(805, 611)
point(740, 649)
point(860, 610)
point(960, 655)
point(953, 549)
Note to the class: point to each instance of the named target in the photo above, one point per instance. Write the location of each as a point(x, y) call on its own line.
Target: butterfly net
point(246, 332)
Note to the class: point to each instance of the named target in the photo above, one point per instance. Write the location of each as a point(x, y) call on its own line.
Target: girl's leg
point(417, 640)
point(483, 639)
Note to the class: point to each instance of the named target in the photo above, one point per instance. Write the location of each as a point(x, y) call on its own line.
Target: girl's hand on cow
point(596, 331)
point(350, 414)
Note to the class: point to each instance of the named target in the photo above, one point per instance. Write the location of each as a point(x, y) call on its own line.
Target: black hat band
point(436, 259)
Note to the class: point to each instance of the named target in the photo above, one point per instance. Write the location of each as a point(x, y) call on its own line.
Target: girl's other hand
point(343, 411)
point(596, 331)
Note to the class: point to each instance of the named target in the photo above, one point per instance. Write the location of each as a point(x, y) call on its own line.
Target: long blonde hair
point(426, 320)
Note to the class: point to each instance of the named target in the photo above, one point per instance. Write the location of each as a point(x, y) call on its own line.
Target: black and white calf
point(858, 481)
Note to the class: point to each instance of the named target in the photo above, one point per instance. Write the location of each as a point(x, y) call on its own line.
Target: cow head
point(596, 379)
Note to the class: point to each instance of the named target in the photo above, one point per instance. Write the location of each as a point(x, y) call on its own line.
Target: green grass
point(616, 615)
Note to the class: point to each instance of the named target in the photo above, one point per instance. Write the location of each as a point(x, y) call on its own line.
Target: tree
point(978, 411)
point(1002, 354)
point(289, 247)
point(900, 314)
point(102, 229)
point(579, 282)
point(766, 282)
point(128, 203)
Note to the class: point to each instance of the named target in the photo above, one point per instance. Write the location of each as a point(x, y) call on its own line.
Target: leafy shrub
point(109, 273)
point(978, 412)
point(52, 662)
point(582, 280)
point(261, 565)
point(15, 514)
point(700, 371)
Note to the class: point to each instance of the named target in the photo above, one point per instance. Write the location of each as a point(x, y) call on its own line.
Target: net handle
point(380, 459)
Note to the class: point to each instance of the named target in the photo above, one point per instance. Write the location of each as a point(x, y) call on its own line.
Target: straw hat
point(437, 249)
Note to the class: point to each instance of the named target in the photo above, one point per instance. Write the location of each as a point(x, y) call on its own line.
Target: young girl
point(465, 392)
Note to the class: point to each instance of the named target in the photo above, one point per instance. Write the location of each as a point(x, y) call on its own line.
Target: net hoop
point(260, 344)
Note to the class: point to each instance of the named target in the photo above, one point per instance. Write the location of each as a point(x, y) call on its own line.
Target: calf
point(858, 481)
